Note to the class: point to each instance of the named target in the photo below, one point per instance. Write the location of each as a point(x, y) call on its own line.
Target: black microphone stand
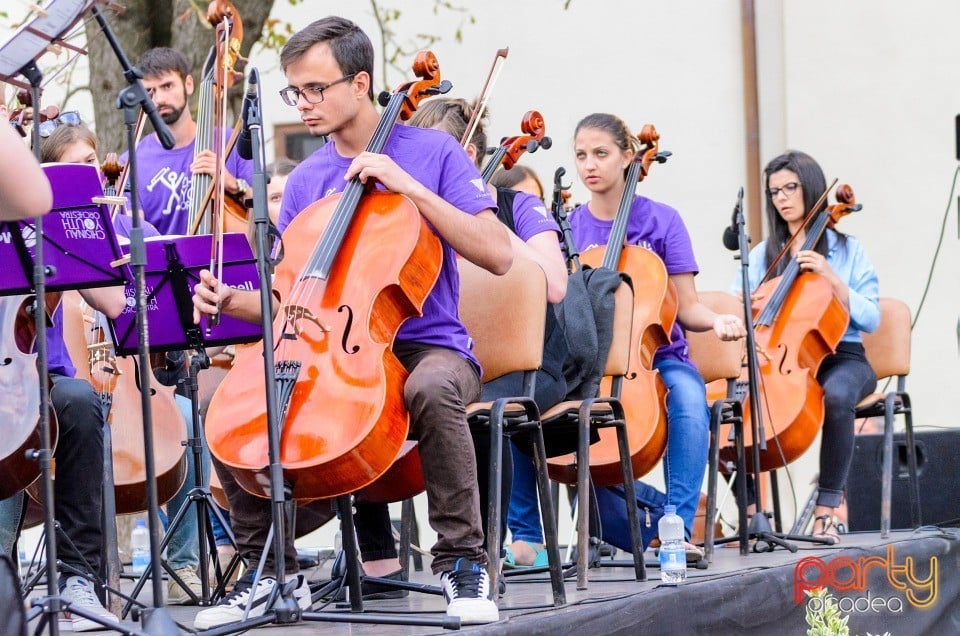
point(759, 525)
point(155, 620)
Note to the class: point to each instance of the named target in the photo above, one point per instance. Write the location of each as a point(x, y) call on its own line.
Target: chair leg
point(406, 536)
point(742, 482)
point(916, 516)
point(886, 480)
point(713, 463)
point(548, 518)
point(630, 493)
point(583, 492)
point(494, 494)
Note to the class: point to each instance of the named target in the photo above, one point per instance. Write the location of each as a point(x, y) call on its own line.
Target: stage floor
point(751, 594)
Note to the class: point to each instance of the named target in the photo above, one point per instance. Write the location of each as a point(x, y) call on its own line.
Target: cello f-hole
point(346, 331)
point(783, 359)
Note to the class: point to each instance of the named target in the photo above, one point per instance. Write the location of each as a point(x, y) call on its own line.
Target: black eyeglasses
point(312, 94)
point(70, 118)
point(787, 188)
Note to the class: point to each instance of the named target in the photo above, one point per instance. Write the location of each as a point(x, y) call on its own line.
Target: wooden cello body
point(807, 330)
point(345, 420)
point(344, 296)
point(654, 313)
point(114, 379)
point(20, 406)
point(798, 321)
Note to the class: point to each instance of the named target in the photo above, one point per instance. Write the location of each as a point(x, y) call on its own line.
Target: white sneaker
point(80, 594)
point(176, 595)
point(467, 590)
point(234, 604)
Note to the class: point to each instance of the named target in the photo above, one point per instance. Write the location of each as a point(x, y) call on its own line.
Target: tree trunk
point(144, 24)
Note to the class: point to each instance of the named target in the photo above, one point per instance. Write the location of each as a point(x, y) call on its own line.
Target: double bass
point(654, 313)
point(340, 387)
point(797, 323)
point(209, 203)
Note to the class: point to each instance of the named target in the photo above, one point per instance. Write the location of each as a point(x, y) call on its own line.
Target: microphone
point(731, 234)
point(159, 126)
point(250, 99)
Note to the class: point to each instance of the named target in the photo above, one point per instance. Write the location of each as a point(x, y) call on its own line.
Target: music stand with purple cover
point(173, 268)
point(80, 245)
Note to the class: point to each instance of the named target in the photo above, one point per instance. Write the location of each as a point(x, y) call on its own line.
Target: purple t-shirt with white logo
point(435, 160)
point(656, 227)
point(531, 217)
point(58, 358)
point(164, 182)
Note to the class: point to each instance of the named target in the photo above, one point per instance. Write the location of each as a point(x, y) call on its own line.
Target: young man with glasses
point(165, 175)
point(329, 67)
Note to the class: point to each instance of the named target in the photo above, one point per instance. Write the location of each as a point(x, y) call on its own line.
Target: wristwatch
point(242, 188)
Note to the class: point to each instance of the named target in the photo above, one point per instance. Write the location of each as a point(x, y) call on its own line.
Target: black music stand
point(173, 268)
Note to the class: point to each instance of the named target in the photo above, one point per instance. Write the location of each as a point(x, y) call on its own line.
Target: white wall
point(868, 87)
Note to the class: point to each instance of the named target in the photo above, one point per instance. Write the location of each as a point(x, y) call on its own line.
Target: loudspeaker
point(938, 473)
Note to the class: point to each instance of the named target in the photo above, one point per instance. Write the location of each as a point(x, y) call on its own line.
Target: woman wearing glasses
point(794, 183)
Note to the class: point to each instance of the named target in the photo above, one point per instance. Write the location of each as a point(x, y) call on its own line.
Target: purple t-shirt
point(164, 182)
point(58, 358)
point(531, 217)
point(656, 227)
point(435, 160)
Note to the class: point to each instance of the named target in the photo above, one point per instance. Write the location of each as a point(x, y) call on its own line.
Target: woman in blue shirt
point(794, 182)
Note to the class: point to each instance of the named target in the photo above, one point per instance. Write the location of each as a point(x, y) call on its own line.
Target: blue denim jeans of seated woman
point(688, 437)
point(183, 550)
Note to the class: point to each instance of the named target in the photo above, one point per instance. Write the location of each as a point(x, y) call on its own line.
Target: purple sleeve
point(678, 249)
point(531, 217)
point(240, 168)
point(461, 184)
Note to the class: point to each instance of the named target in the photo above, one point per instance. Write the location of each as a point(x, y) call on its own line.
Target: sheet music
point(31, 40)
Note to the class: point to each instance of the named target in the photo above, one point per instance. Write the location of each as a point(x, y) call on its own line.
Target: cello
point(797, 323)
point(654, 313)
point(19, 379)
point(340, 387)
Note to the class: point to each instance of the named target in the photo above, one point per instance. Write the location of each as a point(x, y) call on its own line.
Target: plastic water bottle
point(673, 555)
point(140, 547)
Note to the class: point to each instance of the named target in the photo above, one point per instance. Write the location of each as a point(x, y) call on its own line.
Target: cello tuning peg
point(532, 145)
point(383, 98)
point(663, 155)
point(545, 143)
point(443, 87)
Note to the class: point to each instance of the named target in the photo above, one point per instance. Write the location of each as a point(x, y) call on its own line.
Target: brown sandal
point(828, 529)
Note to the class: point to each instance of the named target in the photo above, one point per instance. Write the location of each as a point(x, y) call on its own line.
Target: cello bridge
point(294, 314)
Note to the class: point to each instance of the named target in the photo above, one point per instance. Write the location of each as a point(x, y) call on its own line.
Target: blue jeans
point(688, 437)
point(183, 550)
point(10, 511)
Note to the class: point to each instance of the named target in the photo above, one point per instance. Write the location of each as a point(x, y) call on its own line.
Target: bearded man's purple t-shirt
point(653, 226)
point(435, 160)
point(163, 178)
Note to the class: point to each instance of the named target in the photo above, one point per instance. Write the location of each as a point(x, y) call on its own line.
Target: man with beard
point(164, 175)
